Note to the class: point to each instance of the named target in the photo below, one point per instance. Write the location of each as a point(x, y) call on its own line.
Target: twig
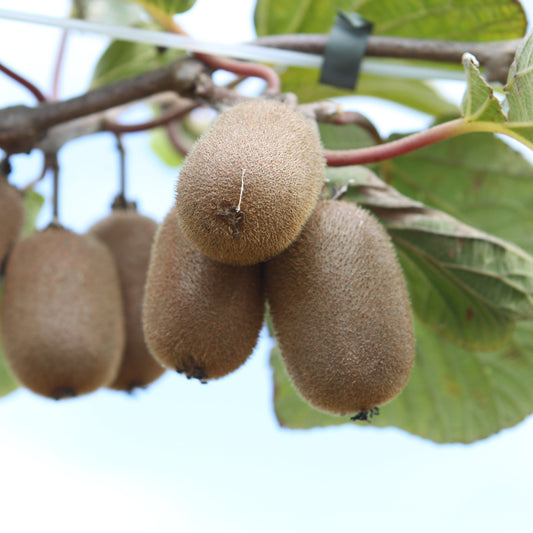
point(39, 96)
point(374, 154)
point(494, 56)
point(22, 127)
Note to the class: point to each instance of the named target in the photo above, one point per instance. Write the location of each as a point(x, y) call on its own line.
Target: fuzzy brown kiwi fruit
point(129, 236)
point(201, 317)
point(11, 216)
point(62, 316)
point(341, 311)
point(250, 182)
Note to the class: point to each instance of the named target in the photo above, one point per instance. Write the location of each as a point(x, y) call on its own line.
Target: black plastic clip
point(345, 50)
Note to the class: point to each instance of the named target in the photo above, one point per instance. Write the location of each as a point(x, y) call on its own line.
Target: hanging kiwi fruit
point(250, 182)
point(201, 317)
point(129, 236)
point(341, 312)
point(11, 214)
point(62, 316)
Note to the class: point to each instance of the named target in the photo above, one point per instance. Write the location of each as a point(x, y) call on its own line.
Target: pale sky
point(190, 458)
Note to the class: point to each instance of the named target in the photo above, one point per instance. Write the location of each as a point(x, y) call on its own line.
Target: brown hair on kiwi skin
point(62, 317)
point(341, 311)
point(201, 317)
point(250, 182)
point(11, 216)
point(129, 236)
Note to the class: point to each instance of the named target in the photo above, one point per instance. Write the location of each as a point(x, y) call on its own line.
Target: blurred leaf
point(33, 202)
point(468, 20)
point(411, 93)
point(519, 92)
point(438, 19)
point(7, 381)
point(467, 285)
point(163, 148)
point(479, 101)
point(344, 136)
point(453, 395)
point(170, 7)
point(123, 59)
point(115, 12)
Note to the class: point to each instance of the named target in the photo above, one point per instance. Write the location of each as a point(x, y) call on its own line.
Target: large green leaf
point(467, 285)
point(123, 59)
point(411, 93)
point(431, 19)
point(477, 178)
point(453, 395)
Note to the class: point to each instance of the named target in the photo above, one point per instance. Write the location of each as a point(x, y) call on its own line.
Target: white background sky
point(185, 457)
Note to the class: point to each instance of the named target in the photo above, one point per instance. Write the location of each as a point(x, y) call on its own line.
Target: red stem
point(380, 152)
point(165, 118)
point(242, 68)
point(24, 82)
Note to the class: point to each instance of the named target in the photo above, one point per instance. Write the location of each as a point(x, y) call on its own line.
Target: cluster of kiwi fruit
point(248, 227)
point(118, 305)
point(72, 303)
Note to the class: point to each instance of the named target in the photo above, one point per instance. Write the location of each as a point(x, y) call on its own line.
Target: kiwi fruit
point(250, 182)
point(62, 317)
point(201, 317)
point(11, 216)
point(341, 311)
point(129, 236)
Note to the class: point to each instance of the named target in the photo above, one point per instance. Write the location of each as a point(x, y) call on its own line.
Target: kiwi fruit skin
point(129, 236)
point(11, 217)
point(201, 317)
point(62, 317)
point(250, 182)
point(341, 311)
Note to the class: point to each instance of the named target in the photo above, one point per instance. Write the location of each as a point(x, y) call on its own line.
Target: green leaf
point(344, 136)
point(453, 395)
point(170, 7)
point(164, 149)
point(469, 20)
point(467, 285)
point(476, 178)
point(7, 381)
point(479, 101)
point(123, 59)
point(438, 19)
point(411, 93)
point(519, 92)
point(33, 202)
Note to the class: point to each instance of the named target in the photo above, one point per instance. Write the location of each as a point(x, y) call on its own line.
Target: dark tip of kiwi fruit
point(64, 392)
point(366, 415)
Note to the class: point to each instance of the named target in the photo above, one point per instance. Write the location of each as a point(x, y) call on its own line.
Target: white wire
point(240, 51)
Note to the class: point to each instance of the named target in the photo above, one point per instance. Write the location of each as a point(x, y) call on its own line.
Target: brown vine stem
point(494, 56)
point(380, 152)
point(39, 96)
point(240, 68)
